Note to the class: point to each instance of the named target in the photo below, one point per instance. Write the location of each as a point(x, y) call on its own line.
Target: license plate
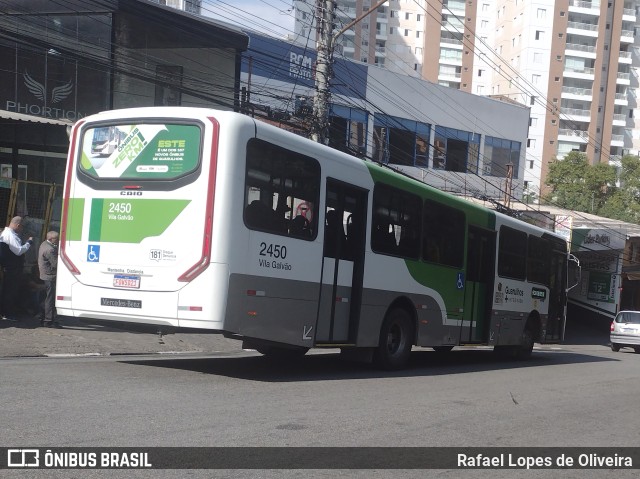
point(126, 281)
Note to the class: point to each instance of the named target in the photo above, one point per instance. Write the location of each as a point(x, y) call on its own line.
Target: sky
point(273, 17)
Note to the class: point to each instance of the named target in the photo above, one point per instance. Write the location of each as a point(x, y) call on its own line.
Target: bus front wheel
point(396, 339)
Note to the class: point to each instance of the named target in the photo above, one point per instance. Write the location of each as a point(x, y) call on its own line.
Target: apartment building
point(574, 63)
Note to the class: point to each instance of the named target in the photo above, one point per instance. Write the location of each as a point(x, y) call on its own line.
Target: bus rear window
point(140, 151)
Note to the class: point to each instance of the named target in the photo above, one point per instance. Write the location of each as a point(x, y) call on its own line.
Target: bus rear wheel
point(396, 339)
point(524, 350)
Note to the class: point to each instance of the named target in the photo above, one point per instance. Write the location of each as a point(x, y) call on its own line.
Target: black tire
point(276, 352)
point(442, 349)
point(505, 352)
point(396, 340)
point(615, 347)
point(524, 350)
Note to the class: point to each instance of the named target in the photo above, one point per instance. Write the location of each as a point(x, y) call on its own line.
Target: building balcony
point(626, 36)
point(629, 15)
point(573, 136)
point(451, 60)
point(381, 51)
point(617, 140)
point(624, 57)
point(572, 93)
point(452, 26)
point(449, 77)
point(586, 8)
point(584, 73)
point(621, 99)
point(575, 114)
point(623, 78)
point(456, 8)
point(583, 51)
point(619, 119)
point(452, 42)
point(584, 29)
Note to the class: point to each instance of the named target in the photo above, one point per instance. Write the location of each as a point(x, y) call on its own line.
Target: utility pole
point(326, 40)
point(507, 186)
point(324, 46)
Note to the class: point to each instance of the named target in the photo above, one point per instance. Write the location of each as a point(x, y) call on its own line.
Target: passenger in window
point(259, 216)
point(383, 238)
point(300, 227)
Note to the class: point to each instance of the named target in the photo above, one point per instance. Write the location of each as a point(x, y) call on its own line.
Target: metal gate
point(40, 205)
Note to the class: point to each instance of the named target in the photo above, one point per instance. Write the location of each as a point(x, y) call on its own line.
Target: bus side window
point(281, 191)
point(443, 234)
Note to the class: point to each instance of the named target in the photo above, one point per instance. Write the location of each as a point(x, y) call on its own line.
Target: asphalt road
point(578, 394)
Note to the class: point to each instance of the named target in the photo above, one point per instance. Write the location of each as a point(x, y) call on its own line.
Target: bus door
point(557, 296)
point(342, 264)
point(481, 246)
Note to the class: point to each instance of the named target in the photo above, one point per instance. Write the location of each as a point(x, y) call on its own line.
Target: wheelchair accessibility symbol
point(460, 281)
point(93, 253)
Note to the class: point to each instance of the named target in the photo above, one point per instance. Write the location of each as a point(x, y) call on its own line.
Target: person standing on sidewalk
point(12, 252)
point(48, 266)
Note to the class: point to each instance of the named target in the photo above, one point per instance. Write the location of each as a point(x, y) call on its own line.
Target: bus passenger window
point(444, 234)
point(281, 191)
point(512, 253)
point(396, 224)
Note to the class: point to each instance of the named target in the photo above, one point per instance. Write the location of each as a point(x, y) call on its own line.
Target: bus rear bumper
point(194, 306)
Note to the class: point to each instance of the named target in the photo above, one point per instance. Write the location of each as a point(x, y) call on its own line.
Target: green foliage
point(624, 204)
point(579, 186)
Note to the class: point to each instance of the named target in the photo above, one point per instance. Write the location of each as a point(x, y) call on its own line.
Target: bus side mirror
point(574, 272)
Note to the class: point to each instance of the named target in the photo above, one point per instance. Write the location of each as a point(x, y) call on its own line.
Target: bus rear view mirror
point(574, 272)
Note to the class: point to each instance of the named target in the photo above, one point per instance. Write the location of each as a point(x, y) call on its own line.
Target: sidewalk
point(26, 338)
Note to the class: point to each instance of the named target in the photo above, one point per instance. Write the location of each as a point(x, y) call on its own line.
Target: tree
point(624, 204)
point(577, 185)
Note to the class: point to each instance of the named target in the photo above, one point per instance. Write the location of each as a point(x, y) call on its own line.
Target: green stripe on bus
point(95, 223)
point(132, 220)
point(75, 217)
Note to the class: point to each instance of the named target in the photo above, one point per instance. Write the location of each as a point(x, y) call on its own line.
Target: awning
point(12, 115)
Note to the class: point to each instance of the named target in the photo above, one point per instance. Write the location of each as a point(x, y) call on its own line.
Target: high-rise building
point(574, 63)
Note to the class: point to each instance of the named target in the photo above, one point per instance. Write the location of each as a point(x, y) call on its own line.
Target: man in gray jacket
point(48, 266)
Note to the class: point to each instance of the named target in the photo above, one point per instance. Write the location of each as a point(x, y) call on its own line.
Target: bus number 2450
point(273, 250)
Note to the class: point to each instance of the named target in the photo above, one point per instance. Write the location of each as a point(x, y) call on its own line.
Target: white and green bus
point(210, 220)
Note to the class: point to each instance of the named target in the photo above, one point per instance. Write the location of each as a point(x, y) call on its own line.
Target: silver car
point(625, 331)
